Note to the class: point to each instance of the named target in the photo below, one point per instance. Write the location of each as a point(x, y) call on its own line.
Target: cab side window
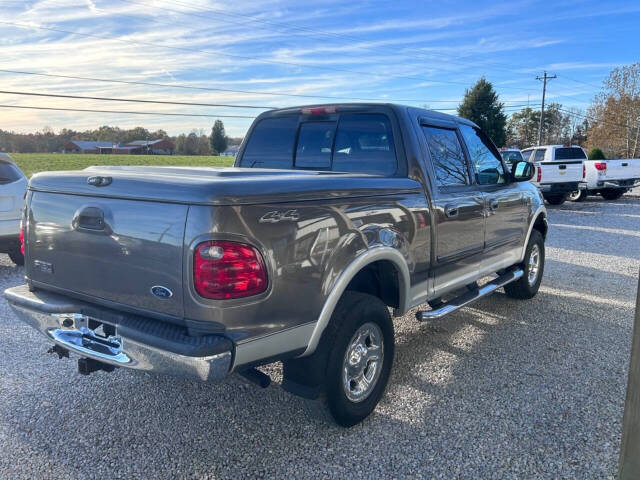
point(484, 157)
point(447, 156)
point(539, 156)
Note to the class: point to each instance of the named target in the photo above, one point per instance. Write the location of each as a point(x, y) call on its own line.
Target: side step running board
point(470, 296)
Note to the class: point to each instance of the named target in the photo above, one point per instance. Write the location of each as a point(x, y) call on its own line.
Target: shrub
point(596, 154)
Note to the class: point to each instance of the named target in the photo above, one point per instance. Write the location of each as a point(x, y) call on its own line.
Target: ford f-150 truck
point(331, 217)
point(609, 178)
point(559, 170)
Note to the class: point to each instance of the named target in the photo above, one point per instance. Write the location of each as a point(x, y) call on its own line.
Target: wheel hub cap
point(533, 265)
point(362, 362)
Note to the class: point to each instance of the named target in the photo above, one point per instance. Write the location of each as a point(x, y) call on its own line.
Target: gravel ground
point(504, 389)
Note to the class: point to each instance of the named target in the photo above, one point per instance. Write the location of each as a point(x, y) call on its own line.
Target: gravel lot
point(504, 389)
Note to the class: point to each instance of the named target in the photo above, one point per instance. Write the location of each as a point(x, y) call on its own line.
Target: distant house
point(160, 146)
point(85, 146)
point(231, 151)
point(137, 147)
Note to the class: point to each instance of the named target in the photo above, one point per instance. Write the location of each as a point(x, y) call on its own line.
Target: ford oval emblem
point(161, 292)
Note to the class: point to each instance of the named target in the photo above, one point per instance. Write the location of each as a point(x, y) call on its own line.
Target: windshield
point(512, 156)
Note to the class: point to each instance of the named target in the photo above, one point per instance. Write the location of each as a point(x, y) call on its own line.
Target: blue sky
point(419, 53)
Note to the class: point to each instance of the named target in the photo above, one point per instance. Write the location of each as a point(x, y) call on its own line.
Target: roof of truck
point(337, 107)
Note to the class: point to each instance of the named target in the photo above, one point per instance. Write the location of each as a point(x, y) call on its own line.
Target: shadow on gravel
point(510, 380)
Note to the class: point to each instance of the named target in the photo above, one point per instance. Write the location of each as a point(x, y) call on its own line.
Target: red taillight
point(584, 171)
point(224, 270)
point(21, 237)
point(318, 110)
point(539, 176)
point(600, 166)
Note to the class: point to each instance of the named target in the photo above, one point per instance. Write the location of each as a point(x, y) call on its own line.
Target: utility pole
point(544, 80)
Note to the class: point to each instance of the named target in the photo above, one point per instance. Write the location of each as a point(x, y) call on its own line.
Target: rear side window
point(539, 157)
point(570, 153)
point(447, 156)
point(526, 155)
point(364, 143)
point(356, 142)
point(9, 173)
point(271, 144)
point(485, 158)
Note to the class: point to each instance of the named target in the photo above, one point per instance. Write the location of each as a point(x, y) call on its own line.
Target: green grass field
point(31, 163)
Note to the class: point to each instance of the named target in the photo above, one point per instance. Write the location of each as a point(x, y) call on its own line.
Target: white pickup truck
point(609, 178)
point(559, 170)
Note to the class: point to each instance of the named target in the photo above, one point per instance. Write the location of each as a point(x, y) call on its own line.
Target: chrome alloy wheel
point(533, 265)
point(362, 362)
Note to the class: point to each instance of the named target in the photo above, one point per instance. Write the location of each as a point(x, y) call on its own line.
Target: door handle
point(451, 211)
point(494, 204)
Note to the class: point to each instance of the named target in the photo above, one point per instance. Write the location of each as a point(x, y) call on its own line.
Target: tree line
point(197, 142)
point(609, 128)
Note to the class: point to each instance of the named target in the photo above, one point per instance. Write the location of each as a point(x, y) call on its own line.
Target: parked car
point(609, 178)
point(13, 187)
point(331, 216)
point(511, 155)
point(559, 170)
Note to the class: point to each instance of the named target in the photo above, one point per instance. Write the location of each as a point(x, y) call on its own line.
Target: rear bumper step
point(131, 342)
point(470, 296)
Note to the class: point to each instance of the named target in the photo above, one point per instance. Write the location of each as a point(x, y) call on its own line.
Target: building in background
point(137, 147)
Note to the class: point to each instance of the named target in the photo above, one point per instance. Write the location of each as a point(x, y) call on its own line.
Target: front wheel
point(578, 196)
point(612, 193)
point(556, 199)
point(529, 284)
point(360, 357)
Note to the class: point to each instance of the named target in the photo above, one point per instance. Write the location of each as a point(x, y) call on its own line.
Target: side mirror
point(522, 171)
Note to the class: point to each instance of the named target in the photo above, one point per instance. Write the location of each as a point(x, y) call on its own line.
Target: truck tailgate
point(116, 250)
point(621, 169)
point(561, 172)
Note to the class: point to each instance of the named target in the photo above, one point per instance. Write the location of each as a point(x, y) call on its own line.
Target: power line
point(188, 87)
point(163, 114)
point(544, 79)
point(132, 100)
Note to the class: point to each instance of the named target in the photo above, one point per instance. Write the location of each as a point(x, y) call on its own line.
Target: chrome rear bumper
point(72, 331)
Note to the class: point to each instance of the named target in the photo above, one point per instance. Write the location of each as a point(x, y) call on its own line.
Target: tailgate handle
point(562, 167)
point(90, 218)
point(625, 164)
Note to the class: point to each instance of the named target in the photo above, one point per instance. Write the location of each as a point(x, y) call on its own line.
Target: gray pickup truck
point(332, 217)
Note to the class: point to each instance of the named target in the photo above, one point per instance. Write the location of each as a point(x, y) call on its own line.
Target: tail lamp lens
point(21, 237)
point(223, 270)
point(600, 166)
point(539, 176)
point(584, 171)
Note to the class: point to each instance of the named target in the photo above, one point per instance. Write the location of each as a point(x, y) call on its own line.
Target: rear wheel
point(612, 193)
point(529, 284)
point(556, 199)
point(16, 256)
point(359, 358)
point(578, 196)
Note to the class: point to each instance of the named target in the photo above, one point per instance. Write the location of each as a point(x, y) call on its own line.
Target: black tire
point(556, 199)
point(612, 193)
point(16, 256)
point(355, 311)
point(522, 289)
point(578, 196)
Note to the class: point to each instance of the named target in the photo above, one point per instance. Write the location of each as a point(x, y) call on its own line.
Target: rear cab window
point(569, 153)
point(343, 142)
point(9, 173)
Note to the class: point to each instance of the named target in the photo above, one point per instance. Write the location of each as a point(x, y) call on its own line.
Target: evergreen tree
point(481, 106)
point(219, 139)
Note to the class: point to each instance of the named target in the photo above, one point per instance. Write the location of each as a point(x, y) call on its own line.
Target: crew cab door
point(458, 208)
point(505, 202)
